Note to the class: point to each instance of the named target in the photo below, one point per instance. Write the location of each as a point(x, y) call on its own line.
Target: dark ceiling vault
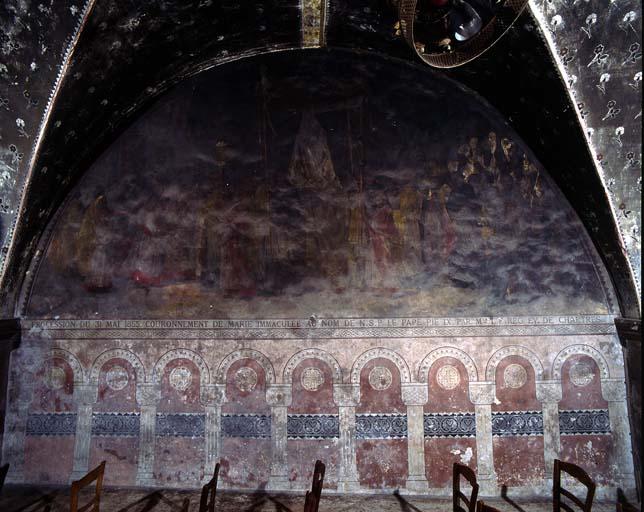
point(129, 52)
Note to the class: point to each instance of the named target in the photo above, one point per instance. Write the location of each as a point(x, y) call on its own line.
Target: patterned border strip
point(180, 425)
point(313, 426)
point(51, 424)
point(381, 426)
point(588, 421)
point(248, 426)
point(115, 424)
point(517, 423)
point(320, 329)
point(449, 424)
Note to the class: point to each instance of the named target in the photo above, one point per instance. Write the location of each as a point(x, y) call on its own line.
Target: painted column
point(278, 396)
point(19, 400)
point(347, 397)
point(212, 398)
point(614, 392)
point(415, 397)
point(147, 395)
point(483, 395)
point(549, 394)
point(85, 395)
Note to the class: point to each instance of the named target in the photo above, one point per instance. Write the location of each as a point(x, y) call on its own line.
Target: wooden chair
point(312, 498)
point(209, 490)
point(557, 491)
point(3, 475)
point(95, 475)
point(458, 471)
point(482, 507)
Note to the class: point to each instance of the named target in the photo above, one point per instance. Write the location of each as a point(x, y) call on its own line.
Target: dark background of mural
point(285, 186)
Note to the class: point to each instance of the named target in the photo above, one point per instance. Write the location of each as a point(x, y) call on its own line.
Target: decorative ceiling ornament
point(450, 33)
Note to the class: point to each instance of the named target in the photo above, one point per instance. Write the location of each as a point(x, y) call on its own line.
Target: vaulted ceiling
point(74, 76)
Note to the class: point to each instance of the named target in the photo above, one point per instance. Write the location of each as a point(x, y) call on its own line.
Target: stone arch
point(513, 350)
point(586, 350)
point(374, 353)
point(435, 355)
point(117, 353)
point(245, 353)
point(312, 353)
point(72, 360)
point(181, 353)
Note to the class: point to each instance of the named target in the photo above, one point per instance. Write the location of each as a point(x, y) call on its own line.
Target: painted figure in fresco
point(407, 221)
point(384, 242)
point(439, 234)
point(92, 244)
point(148, 254)
point(211, 234)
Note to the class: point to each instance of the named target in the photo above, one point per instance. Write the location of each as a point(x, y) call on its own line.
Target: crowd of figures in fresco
point(343, 200)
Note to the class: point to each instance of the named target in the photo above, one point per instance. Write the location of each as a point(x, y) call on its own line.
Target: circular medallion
point(581, 374)
point(116, 378)
point(312, 378)
point(245, 379)
point(448, 377)
point(180, 378)
point(55, 377)
point(380, 378)
point(514, 376)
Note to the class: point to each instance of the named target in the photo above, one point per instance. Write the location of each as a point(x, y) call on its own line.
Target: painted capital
point(548, 391)
point(148, 393)
point(213, 394)
point(414, 394)
point(279, 395)
point(613, 390)
point(482, 393)
point(346, 395)
point(85, 394)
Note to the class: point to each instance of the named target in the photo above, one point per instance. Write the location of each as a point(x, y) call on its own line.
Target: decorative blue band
point(521, 423)
point(313, 426)
point(181, 425)
point(115, 424)
point(254, 426)
point(593, 421)
point(460, 424)
point(51, 424)
point(381, 426)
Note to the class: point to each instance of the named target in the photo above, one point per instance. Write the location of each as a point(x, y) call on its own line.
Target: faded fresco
point(355, 195)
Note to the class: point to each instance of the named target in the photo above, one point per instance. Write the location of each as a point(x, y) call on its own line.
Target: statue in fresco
point(322, 204)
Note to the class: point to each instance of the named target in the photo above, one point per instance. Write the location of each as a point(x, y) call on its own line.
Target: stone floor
point(30, 499)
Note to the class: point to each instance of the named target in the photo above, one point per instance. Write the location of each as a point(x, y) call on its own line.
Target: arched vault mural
point(256, 190)
point(46, 61)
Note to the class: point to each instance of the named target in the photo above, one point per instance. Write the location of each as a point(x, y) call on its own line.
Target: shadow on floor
point(260, 496)
point(507, 499)
point(405, 506)
point(153, 499)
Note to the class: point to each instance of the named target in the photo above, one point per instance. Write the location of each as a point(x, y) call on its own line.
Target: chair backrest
point(482, 507)
point(558, 491)
point(95, 475)
point(312, 499)
point(458, 471)
point(3, 475)
point(209, 492)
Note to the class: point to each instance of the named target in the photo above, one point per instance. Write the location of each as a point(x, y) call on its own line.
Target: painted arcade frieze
point(263, 410)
